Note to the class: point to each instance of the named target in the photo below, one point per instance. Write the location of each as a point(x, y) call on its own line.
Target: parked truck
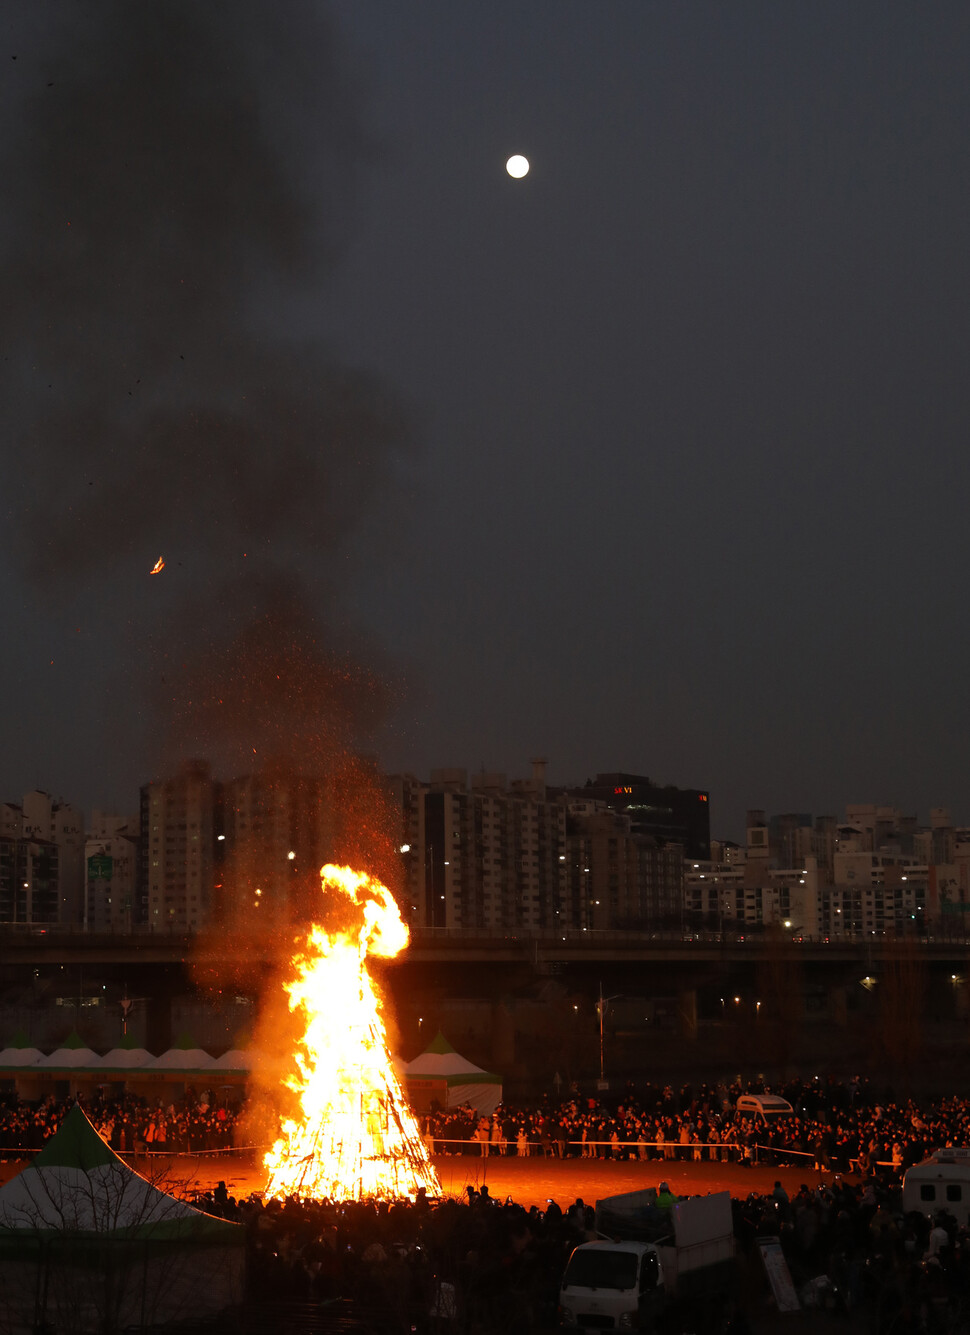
point(941, 1182)
point(647, 1259)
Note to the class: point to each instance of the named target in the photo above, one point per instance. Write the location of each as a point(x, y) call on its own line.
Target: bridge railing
point(530, 938)
point(613, 936)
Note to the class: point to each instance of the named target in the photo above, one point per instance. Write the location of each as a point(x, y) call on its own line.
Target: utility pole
point(601, 1010)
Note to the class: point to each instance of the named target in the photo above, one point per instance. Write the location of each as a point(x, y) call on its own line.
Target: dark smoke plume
point(253, 687)
point(175, 173)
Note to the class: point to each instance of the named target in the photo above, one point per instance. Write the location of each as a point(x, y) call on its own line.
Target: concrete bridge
point(44, 946)
point(520, 1002)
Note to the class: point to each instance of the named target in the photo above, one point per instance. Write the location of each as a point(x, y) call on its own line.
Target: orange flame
point(356, 1136)
point(158, 567)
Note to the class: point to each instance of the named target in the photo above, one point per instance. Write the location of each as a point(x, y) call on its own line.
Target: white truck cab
point(609, 1286)
point(623, 1281)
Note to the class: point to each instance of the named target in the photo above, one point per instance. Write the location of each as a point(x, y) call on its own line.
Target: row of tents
point(77, 1057)
point(75, 1069)
point(438, 1075)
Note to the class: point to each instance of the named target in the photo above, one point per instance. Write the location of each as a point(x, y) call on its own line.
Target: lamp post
point(601, 1011)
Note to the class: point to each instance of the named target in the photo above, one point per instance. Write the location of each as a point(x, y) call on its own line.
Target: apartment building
point(41, 862)
point(483, 854)
point(867, 874)
point(111, 873)
point(178, 835)
point(274, 838)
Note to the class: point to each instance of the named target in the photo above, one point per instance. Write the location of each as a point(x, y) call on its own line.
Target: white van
point(763, 1108)
point(941, 1182)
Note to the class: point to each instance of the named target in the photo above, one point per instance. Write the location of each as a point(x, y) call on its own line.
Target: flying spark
point(158, 567)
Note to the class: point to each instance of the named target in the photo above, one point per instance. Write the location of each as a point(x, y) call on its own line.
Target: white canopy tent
point(182, 1059)
point(126, 1059)
point(16, 1059)
point(70, 1059)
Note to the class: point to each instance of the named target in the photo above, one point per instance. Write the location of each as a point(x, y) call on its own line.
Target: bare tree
point(100, 1248)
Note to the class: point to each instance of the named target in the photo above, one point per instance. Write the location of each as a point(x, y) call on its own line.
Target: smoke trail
point(175, 172)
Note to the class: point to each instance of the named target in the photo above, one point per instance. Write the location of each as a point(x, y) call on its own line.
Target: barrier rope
point(495, 1146)
point(680, 1152)
point(707, 1151)
point(28, 1151)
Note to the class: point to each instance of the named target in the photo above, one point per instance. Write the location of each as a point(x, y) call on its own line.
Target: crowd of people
point(130, 1125)
point(493, 1265)
point(842, 1126)
point(837, 1125)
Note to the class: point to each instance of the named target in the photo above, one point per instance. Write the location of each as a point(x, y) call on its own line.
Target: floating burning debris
point(356, 1137)
point(158, 567)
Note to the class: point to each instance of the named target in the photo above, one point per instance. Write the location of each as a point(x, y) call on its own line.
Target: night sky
point(654, 460)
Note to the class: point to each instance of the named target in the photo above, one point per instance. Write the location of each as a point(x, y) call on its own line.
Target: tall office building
point(618, 879)
point(672, 815)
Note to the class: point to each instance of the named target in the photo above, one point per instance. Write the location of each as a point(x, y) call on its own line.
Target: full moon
point(517, 165)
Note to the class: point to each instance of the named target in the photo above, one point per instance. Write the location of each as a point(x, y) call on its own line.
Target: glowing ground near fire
point(355, 1136)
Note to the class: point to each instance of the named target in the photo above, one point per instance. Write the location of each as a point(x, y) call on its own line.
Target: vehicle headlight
point(625, 1320)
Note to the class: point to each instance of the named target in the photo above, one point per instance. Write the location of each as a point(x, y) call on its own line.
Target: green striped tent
point(78, 1184)
point(87, 1243)
point(442, 1073)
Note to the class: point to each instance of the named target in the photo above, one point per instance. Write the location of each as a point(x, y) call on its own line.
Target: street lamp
point(601, 1011)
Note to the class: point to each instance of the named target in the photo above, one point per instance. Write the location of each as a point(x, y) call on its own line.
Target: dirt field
point(529, 1181)
point(533, 1181)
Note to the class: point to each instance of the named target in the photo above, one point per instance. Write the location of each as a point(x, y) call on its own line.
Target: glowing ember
point(356, 1136)
point(157, 567)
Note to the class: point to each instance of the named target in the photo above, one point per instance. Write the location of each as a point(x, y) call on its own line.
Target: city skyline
point(516, 775)
point(473, 853)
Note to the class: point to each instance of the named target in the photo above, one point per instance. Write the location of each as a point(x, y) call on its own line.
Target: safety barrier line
point(170, 1154)
point(733, 1146)
point(593, 1144)
point(25, 1151)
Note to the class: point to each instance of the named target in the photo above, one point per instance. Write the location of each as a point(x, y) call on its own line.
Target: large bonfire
point(355, 1136)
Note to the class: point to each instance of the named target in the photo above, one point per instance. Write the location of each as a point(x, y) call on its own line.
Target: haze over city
point(653, 460)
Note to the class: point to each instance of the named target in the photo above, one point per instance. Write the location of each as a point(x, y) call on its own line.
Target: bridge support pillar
point(503, 1037)
point(838, 1005)
point(687, 1013)
point(158, 1026)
